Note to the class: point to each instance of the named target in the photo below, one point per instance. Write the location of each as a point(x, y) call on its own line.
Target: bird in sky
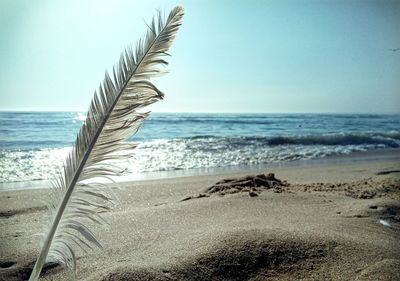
point(394, 49)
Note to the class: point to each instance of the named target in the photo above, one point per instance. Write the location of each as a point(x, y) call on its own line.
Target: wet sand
point(331, 221)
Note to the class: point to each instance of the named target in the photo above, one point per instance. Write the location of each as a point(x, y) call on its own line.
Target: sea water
point(33, 145)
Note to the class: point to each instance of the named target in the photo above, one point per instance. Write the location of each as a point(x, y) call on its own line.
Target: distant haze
point(229, 56)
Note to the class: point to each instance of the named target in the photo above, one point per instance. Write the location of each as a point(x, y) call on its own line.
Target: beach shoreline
point(353, 157)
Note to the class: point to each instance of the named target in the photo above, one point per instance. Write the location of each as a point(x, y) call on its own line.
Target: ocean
point(34, 144)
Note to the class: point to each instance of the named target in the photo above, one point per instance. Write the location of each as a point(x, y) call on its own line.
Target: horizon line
point(213, 112)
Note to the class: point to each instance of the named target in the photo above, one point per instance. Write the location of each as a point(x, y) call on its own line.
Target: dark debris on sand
point(391, 213)
point(251, 184)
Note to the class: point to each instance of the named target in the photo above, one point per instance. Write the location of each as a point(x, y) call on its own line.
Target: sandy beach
point(337, 220)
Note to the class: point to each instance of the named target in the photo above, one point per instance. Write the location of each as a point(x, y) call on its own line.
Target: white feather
point(112, 117)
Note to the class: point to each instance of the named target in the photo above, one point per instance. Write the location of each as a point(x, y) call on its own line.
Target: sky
point(229, 56)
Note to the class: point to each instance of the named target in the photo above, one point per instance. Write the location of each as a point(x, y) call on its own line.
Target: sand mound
point(242, 256)
point(248, 255)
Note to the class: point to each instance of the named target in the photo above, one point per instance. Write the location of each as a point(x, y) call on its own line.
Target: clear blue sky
point(229, 56)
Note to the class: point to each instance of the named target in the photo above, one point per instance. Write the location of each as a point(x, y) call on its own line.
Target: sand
point(319, 222)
